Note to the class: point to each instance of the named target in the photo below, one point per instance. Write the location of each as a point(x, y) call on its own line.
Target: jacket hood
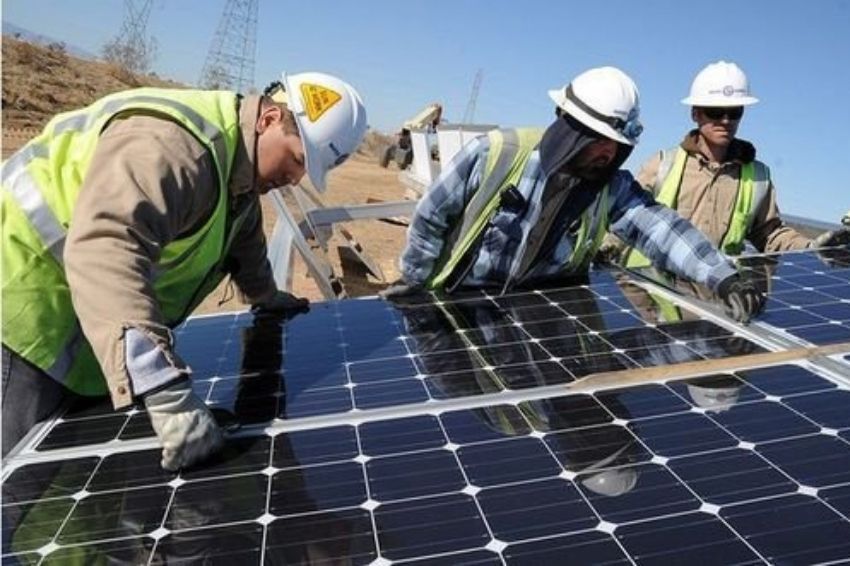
point(563, 140)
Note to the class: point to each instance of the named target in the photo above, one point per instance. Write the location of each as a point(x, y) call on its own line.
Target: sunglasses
point(717, 112)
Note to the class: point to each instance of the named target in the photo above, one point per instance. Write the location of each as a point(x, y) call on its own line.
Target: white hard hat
point(716, 397)
point(605, 100)
point(612, 483)
point(331, 120)
point(720, 84)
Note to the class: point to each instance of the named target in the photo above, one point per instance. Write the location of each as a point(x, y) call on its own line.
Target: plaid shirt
point(669, 241)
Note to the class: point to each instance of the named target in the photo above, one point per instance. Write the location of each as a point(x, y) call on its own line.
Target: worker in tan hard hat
point(121, 217)
point(526, 207)
point(713, 178)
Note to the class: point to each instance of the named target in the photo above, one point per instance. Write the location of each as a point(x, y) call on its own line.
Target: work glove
point(281, 302)
point(607, 254)
point(185, 426)
point(742, 299)
point(610, 250)
point(399, 289)
point(840, 237)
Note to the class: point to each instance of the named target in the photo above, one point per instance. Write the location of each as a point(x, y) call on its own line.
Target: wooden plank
point(627, 378)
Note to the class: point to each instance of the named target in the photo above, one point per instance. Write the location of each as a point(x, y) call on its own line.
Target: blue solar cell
point(700, 539)
point(731, 476)
point(819, 534)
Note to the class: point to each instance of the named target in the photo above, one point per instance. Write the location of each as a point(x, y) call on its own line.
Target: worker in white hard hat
point(121, 217)
point(523, 207)
point(713, 178)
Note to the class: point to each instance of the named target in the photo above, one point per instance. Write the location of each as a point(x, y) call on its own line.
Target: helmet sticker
point(318, 100)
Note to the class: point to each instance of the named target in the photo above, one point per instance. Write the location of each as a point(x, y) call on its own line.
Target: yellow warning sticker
point(318, 100)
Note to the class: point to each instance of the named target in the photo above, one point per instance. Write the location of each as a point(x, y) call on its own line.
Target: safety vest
point(510, 150)
point(40, 186)
point(752, 190)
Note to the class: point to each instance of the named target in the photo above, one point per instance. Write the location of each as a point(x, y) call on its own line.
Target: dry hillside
point(39, 82)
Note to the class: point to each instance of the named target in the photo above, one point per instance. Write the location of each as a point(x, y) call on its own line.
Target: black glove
point(743, 300)
point(399, 289)
point(840, 237)
point(281, 302)
point(608, 253)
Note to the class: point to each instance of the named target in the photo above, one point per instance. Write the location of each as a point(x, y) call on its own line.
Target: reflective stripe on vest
point(752, 190)
point(510, 150)
point(41, 184)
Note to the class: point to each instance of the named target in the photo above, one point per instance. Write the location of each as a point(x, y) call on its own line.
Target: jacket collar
point(243, 175)
point(740, 151)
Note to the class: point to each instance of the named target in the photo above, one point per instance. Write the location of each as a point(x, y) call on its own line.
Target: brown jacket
point(150, 182)
point(707, 197)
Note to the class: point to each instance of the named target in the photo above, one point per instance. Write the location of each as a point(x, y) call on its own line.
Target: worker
point(713, 178)
point(118, 219)
point(517, 208)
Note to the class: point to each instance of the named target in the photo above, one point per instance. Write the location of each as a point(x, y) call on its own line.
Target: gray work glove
point(185, 426)
point(840, 237)
point(742, 299)
point(281, 302)
point(399, 289)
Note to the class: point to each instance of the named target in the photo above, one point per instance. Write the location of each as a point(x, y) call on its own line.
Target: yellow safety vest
point(40, 186)
point(510, 150)
point(752, 189)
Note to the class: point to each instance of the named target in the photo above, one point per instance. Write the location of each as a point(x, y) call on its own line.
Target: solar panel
point(461, 430)
point(365, 354)
point(608, 472)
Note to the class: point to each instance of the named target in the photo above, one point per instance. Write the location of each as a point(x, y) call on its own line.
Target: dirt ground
point(39, 82)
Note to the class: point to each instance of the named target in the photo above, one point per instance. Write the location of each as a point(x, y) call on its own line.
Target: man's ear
point(694, 112)
point(267, 117)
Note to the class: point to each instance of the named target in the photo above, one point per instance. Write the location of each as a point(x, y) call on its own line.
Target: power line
point(131, 48)
point(469, 114)
point(230, 60)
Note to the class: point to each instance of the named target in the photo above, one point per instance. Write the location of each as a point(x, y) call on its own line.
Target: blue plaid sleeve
point(669, 241)
point(439, 209)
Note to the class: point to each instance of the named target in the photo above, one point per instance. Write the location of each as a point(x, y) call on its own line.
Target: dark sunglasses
point(717, 113)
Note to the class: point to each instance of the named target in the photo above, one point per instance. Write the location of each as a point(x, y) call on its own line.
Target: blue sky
point(402, 55)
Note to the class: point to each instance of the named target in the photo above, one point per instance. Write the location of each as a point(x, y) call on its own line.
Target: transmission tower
point(469, 114)
point(230, 61)
point(131, 48)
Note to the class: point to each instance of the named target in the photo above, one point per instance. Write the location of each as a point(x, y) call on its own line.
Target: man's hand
point(282, 302)
point(743, 300)
point(185, 426)
point(840, 237)
point(609, 251)
point(399, 289)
